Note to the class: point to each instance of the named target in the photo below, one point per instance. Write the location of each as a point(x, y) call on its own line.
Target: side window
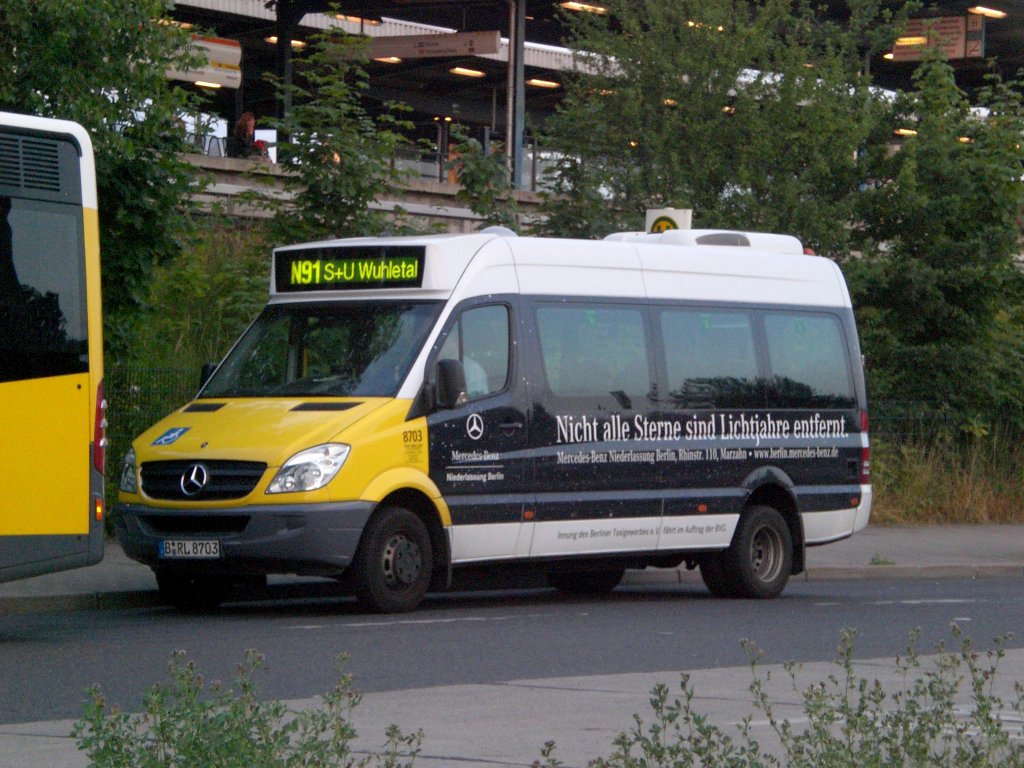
point(595, 351)
point(711, 359)
point(809, 361)
point(480, 341)
point(43, 318)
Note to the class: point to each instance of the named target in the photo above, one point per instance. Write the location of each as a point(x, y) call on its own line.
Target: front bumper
point(305, 539)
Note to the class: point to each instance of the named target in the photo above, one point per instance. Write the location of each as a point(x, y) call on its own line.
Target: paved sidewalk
point(889, 552)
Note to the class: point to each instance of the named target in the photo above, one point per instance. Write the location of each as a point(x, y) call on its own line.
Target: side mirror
point(451, 384)
point(205, 373)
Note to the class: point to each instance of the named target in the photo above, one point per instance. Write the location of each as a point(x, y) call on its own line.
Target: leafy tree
point(483, 179)
point(102, 63)
point(341, 154)
point(198, 303)
point(936, 286)
point(749, 113)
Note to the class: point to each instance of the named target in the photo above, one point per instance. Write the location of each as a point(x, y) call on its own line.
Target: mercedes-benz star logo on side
point(194, 479)
point(475, 426)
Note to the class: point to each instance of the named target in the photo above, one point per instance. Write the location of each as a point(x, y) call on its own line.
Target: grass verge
point(928, 480)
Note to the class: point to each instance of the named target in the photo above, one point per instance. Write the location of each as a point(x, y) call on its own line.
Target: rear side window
point(595, 351)
point(809, 361)
point(711, 359)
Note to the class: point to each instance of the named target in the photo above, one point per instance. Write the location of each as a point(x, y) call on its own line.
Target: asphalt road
point(49, 660)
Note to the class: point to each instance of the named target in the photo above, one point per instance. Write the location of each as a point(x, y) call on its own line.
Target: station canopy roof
point(472, 85)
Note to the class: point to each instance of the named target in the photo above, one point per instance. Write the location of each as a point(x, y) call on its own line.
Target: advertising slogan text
point(757, 428)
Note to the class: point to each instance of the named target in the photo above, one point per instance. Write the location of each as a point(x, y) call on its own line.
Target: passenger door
point(596, 473)
point(478, 456)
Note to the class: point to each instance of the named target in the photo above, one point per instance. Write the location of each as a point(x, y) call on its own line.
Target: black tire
point(758, 562)
point(193, 592)
point(586, 582)
point(716, 579)
point(392, 568)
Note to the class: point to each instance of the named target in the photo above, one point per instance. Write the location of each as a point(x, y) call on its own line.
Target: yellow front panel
point(382, 444)
point(44, 460)
point(388, 453)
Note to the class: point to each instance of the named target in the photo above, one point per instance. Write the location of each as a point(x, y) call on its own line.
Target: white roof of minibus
point(622, 268)
point(660, 269)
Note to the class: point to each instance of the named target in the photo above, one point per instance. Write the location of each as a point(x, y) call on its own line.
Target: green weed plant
point(941, 711)
point(192, 724)
point(944, 713)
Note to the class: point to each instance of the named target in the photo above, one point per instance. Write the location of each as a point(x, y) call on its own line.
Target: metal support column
point(289, 14)
point(516, 97)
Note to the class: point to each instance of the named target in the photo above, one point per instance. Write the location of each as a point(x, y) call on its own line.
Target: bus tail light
point(865, 451)
point(99, 435)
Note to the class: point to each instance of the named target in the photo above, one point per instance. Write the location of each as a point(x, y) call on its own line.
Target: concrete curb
point(78, 602)
point(128, 599)
point(839, 573)
point(846, 573)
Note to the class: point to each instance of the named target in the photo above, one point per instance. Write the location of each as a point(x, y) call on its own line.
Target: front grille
point(224, 479)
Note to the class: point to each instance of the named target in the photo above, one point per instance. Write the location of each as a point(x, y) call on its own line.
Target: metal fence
point(137, 398)
point(902, 421)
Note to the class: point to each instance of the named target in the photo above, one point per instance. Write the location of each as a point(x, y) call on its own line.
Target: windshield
point(340, 349)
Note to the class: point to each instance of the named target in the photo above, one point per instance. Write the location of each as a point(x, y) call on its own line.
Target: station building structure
point(497, 66)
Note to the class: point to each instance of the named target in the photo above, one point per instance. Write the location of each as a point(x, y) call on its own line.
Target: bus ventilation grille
point(216, 480)
point(29, 163)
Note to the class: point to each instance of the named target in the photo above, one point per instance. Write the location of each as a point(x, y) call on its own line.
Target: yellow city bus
point(52, 408)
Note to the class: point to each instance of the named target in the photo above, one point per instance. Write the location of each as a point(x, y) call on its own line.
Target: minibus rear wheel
point(716, 579)
point(758, 562)
point(393, 565)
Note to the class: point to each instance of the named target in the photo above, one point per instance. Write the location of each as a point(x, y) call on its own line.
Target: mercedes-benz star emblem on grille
point(194, 479)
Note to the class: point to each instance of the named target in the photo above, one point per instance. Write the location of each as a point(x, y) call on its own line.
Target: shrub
point(190, 723)
point(945, 713)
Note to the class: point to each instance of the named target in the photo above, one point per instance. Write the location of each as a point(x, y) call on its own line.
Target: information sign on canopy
point(426, 46)
point(223, 63)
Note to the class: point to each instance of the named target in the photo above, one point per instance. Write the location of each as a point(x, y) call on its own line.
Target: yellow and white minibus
point(405, 407)
point(51, 349)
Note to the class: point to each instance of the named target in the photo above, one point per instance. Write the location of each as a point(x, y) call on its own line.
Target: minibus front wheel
point(394, 562)
point(758, 562)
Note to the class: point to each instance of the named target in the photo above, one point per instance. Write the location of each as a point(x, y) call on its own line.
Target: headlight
point(310, 469)
point(128, 483)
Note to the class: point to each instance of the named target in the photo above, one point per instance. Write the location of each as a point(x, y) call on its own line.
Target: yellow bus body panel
point(44, 463)
point(94, 302)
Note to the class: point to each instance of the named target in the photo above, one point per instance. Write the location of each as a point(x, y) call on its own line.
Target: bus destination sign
point(350, 268)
